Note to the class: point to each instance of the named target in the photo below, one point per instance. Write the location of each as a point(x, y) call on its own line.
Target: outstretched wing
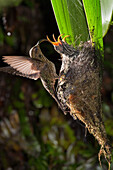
point(12, 71)
point(23, 66)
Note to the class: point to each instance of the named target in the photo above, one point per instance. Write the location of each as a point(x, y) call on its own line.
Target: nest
point(79, 91)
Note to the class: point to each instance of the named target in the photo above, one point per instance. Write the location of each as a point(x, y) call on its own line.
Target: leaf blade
point(93, 14)
point(70, 19)
point(106, 12)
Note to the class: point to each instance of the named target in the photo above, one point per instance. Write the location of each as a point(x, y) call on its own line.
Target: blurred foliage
point(34, 133)
point(8, 3)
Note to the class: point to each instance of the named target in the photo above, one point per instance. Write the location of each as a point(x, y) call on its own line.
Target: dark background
point(34, 133)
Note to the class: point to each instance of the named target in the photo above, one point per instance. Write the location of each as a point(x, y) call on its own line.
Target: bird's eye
point(36, 49)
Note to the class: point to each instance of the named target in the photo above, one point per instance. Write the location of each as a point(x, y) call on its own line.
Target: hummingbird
point(34, 67)
point(79, 86)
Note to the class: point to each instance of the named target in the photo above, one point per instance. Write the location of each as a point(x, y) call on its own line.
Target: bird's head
point(36, 53)
point(61, 46)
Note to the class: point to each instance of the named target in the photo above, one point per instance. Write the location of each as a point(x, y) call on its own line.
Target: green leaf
point(106, 12)
point(93, 14)
point(71, 19)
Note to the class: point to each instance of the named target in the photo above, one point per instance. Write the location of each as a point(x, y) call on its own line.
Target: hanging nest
point(79, 87)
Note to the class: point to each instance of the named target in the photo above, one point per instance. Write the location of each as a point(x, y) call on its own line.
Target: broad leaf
point(106, 12)
point(93, 14)
point(71, 19)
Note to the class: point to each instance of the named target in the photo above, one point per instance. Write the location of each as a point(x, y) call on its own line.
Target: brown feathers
point(21, 64)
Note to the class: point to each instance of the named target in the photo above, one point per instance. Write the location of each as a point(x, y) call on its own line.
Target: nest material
point(79, 90)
